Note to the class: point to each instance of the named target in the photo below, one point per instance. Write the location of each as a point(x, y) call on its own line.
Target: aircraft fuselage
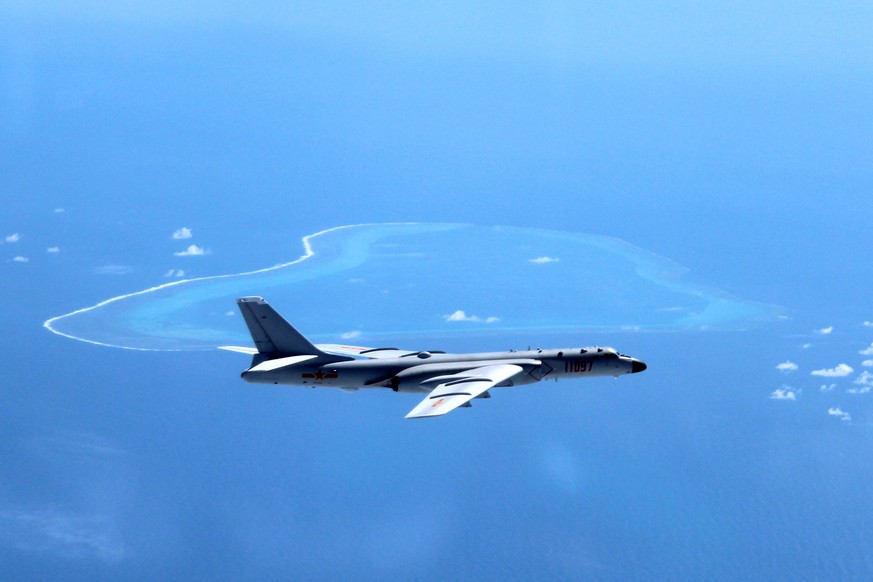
point(415, 372)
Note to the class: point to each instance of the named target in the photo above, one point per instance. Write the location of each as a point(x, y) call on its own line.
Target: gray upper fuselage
point(412, 372)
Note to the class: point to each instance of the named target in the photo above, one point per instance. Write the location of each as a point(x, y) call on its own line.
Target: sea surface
point(688, 184)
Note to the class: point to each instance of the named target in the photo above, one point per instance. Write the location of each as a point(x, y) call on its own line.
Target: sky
point(145, 143)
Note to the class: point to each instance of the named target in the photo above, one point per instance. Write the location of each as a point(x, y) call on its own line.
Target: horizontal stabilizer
point(270, 365)
point(240, 349)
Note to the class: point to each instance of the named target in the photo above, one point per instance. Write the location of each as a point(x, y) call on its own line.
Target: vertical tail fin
point(273, 336)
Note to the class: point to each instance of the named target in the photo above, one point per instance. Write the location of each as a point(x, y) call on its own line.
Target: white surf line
point(307, 254)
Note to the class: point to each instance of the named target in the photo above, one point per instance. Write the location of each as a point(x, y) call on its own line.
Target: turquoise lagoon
point(377, 282)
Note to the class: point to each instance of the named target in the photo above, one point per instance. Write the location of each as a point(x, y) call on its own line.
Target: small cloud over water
point(192, 251)
point(13, 238)
point(840, 371)
point(865, 379)
point(20, 259)
point(784, 393)
point(544, 260)
point(182, 233)
point(460, 315)
point(835, 411)
point(786, 366)
point(825, 330)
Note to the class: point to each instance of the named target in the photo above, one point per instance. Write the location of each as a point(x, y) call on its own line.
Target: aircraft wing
point(371, 353)
point(343, 350)
point(455, 390)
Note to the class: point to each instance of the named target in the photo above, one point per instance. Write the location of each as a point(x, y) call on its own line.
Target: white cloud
point(351, 335)
point(838, 372)
point(182, 233)
point(20, 259)
point(806, 346)
point(786, 366)
point(867, 363)
point(835, 411)
point(192, 251)
point(867, 351)
point(865, 383)
point(59, 211)
point(12, 238)
point(460, 315)
point(864, 379)
point(825, 330)
point(827, 387)
point(113, 270)
point(53, 250)
point(230, 313)
point(784, 393)
point(868, 324)
point(544, 260)
point(178, 273)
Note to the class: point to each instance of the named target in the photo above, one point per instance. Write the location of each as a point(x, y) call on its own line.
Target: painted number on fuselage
point(577, 366)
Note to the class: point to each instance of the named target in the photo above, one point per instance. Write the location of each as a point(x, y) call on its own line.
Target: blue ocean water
point(733, 143)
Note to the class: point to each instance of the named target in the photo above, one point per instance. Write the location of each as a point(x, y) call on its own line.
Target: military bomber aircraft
point(283, 356)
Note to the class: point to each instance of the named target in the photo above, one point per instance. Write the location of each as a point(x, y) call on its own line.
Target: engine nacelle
point(410, 384)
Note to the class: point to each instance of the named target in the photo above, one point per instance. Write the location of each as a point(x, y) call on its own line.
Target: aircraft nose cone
point(637, 366)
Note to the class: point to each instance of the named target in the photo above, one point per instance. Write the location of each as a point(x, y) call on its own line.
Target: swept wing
point(371, 353)
point(455, 390)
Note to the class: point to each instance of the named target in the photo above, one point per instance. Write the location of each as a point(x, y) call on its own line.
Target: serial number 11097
point(577, 367)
